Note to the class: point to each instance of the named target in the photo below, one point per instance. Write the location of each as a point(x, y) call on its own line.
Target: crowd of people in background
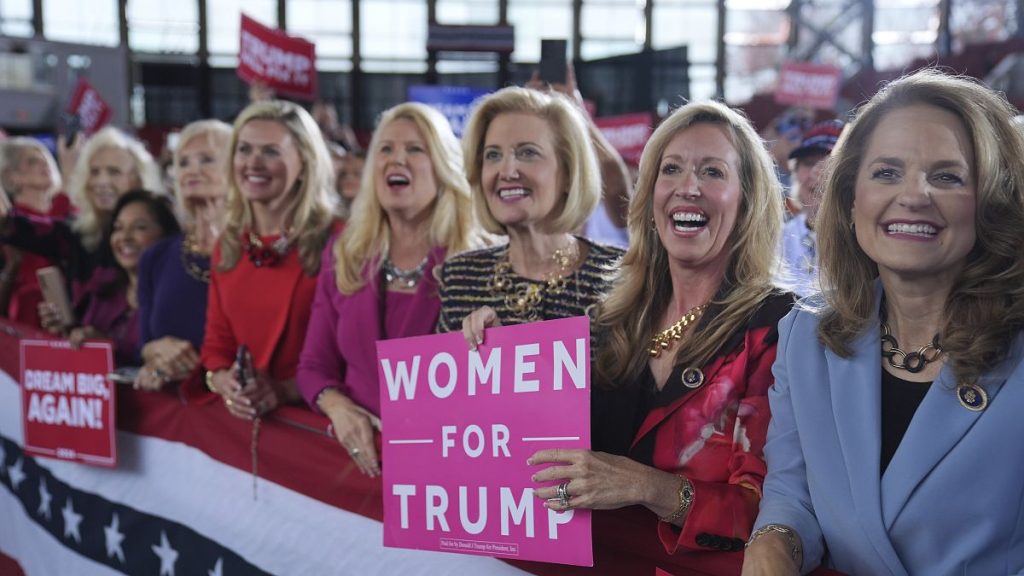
point(808, 348)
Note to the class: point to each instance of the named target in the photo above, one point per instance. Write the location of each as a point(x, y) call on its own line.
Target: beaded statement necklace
point(262, 255)
point(668, 337)
point(407, 278)
point(195, 262)
point(525, 299)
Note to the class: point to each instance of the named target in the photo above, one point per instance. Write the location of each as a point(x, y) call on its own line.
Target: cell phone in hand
point(553, 61)
point(51, 284)
point(244, 373)
point(72, 126)
point(124, 375)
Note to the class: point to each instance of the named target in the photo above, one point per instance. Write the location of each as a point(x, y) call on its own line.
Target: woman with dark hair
point(895, 442)
point(109, 164)
point(109, 308)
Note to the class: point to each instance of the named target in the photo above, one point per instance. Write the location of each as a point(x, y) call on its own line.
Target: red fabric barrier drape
point(294, 450)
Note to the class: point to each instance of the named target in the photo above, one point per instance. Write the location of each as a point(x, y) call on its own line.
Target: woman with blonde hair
point(29, 179)
point(174, 275)
point(109, 164)
point(378, 280)
point(535, 179)
point(686, 341)
point(896, 424)
point(280, 213)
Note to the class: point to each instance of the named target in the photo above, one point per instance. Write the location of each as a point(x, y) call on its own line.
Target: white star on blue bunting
point(168, 556)
point(44, 499)
point(113, 536)
point(16, 474)
point(72, 522)
point(218, 568)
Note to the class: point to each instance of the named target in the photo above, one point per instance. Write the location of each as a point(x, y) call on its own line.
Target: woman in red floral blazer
point(687, 340)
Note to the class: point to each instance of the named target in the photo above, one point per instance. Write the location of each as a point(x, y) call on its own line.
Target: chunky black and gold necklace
point(912, 362)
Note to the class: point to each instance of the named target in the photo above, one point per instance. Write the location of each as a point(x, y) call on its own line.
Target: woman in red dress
point(280, 213)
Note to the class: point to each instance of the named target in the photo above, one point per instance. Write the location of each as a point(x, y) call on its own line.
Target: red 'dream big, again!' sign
point(810, 85)
point(286, 64)
point(67, 404)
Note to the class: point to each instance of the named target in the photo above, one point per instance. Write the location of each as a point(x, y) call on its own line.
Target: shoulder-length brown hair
point(985, 308)
point(313, 213)
point(630, 315)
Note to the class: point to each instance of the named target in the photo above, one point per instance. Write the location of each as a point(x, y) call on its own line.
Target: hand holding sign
point(460, 427)
point(276, 61)
point(600, 481)
point(476, 322)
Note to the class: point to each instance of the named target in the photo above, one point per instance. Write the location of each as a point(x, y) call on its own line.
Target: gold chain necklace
point(669, 336)
point(524, 299)
point(196, 264)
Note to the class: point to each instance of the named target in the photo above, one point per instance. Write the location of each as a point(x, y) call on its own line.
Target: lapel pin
point(972, 397)
point(692, 378)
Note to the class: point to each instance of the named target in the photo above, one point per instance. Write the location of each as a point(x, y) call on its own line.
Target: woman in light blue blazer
point(896, 444)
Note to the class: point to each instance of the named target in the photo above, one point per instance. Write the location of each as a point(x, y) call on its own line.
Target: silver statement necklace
point(407, 278)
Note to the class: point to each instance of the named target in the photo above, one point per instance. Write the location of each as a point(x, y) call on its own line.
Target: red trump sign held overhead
point(286, 64)
point(92, 110)
point(810, 85)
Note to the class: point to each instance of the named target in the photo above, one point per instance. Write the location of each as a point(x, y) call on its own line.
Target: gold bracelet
point(209, 382)
point(792, 539)
point(685, 500)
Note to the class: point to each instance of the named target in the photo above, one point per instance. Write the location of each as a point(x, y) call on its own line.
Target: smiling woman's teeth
point(915, 229)
point(688, 220)
point(512, 193)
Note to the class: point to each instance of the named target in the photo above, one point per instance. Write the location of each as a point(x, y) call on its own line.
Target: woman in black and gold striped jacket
point(535, 178)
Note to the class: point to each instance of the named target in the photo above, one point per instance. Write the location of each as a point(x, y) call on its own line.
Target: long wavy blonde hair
point(88, 223)
point(641, 293)
point(985, 309)
point(452, 223)
point(313, 211)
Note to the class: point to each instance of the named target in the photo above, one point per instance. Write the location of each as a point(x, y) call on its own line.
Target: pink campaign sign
point(458, 427)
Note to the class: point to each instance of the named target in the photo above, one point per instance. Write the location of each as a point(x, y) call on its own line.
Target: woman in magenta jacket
point(377, 279)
